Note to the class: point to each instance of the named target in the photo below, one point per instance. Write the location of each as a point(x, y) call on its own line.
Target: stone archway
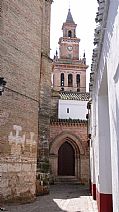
point(75, 146)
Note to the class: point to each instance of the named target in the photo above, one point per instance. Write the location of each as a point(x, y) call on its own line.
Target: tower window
point(70, 80)
point(70, 33)
point(62, 79)
point(78, 82)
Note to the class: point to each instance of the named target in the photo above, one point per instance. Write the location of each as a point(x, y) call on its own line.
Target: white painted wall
point(105, 176)
point(92, 131)
point(109, 125)
point(77, 109)
point(113, 81)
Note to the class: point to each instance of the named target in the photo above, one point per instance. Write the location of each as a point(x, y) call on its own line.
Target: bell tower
point(69, 43)
point(69, 72)
point(69, 108)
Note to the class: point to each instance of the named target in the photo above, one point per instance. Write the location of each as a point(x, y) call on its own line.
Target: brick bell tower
point(69, 72)
point(68, 124)
point(69, 43)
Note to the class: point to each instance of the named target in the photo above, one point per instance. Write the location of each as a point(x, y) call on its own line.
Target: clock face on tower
point(69, 48)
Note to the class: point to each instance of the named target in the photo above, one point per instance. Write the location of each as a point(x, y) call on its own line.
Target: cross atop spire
point(69, 18)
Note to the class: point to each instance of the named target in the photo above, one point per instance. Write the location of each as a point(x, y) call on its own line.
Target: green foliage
point(44, 166)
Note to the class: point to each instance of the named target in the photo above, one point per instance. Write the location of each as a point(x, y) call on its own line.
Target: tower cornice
point(65, 65)
point(66, 39)
point(69, 24)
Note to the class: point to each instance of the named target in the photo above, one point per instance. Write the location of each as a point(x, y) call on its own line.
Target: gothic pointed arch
point(74, 140)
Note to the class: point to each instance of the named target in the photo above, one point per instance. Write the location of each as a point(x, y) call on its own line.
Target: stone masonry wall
point(54, 104)
point(18, 166)
point(21, 34)
point(45, 86)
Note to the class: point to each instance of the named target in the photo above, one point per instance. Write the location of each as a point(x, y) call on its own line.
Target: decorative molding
point(68, 122)
point(75, 141)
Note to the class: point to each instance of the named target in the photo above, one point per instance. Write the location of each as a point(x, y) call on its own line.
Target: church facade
point(69, 152)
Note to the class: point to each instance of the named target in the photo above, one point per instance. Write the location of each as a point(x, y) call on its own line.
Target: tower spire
point(69, 18)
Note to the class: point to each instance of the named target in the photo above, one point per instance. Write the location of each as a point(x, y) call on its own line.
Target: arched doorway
point(66, 160)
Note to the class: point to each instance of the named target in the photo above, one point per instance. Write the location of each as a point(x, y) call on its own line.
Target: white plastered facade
point(104, 151)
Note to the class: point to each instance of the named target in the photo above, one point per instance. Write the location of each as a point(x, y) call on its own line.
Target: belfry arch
point(73, 145)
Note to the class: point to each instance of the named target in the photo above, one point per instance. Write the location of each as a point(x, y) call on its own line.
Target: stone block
point(14, 167)
point(3, 167)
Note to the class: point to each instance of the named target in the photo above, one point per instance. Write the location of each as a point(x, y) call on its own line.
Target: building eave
point(68, 95)
point(101, 19)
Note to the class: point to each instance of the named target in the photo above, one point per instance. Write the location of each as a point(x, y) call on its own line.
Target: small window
point(67, 110)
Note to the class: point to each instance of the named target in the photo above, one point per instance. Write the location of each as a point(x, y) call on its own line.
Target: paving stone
point(64, 197)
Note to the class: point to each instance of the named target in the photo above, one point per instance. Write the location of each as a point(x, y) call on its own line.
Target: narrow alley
point(59, 105)
point(62, 197)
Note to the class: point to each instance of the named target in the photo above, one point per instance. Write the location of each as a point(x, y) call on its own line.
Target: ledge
point(68, 122)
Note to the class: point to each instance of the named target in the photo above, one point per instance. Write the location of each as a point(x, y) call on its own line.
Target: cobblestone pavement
point(67, 198)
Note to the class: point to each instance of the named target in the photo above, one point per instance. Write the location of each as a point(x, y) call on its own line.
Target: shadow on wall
point(117, 123)
point(113, 15)
point(115, 111)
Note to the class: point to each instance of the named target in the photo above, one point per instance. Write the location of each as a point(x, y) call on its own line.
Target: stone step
point(67, 179)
